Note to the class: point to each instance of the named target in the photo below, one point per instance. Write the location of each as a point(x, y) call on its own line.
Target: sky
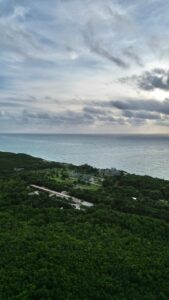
point(82, 66)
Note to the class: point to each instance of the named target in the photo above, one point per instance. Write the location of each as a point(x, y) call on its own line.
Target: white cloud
point(77, 50)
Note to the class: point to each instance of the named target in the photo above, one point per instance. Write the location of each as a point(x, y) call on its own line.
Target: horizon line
point(78, 133)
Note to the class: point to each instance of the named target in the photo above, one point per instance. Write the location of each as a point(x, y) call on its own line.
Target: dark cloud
point(156, 79)
point(108, 55)
point(129, 112)
point(117, 16)
point(94, 110)
point(17, 40)
point(104, 115)
point(88, 116)
point(137, 112)
point(143, 105)
point(132, 55)
point(98, 47)
point(150, 80)
point(60, 118)
point(117, 23)
point(142, 115)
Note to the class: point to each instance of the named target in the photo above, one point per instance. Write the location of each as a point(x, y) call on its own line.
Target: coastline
point(142, 155)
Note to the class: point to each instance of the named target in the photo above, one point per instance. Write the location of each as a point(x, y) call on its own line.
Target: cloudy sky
point(74, 66)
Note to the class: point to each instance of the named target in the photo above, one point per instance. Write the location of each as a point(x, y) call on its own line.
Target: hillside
point(116, 249)
point(10, 162)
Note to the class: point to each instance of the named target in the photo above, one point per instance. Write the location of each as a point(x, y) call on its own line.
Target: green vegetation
point(10, 162)
point(118, 249)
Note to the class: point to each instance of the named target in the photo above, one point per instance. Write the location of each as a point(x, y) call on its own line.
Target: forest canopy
point(116, 249)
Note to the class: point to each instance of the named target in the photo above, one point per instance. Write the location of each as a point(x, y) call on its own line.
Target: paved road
point(77, 202)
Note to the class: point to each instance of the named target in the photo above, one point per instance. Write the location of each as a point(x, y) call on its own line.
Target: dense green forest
point(118, 249)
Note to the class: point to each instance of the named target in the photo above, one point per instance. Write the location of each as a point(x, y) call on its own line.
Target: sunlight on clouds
point(59, 56)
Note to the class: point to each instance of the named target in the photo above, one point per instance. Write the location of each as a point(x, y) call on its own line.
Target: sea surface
point(139, 154)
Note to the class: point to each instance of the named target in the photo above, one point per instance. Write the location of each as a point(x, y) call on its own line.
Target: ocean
point(139, 154)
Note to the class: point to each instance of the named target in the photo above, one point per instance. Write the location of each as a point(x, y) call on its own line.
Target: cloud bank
point(84, 66)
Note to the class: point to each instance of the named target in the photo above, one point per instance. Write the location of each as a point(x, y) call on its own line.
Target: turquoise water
point(139, 154)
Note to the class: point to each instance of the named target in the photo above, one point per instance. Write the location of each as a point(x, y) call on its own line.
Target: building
point(35, 193)
point(109, 172)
